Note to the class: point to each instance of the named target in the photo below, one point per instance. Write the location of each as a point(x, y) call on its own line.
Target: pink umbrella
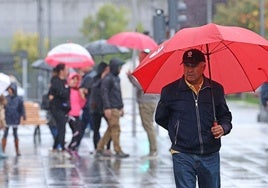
point(133, 40)
point(71, 54)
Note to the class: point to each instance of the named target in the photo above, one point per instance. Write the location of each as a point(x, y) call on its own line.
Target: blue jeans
point(204, 168)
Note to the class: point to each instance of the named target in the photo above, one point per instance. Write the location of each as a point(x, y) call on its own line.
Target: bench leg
point(37, 134)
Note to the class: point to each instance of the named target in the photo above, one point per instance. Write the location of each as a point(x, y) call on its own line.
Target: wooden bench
point(32, 111)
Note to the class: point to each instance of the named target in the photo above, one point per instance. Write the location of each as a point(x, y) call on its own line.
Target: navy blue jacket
point(14, 110)
point(264, 94)
point(189, 117)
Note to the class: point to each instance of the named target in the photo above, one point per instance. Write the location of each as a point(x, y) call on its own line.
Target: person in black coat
point(59, 94)
point(113, 108)
point(96, 105)
point(193, 109)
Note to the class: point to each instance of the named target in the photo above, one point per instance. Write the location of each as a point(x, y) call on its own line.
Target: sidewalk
point(243, 157)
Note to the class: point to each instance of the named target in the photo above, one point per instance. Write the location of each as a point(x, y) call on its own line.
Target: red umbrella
point(71, 54)
point(236, 57)
point(133, 40)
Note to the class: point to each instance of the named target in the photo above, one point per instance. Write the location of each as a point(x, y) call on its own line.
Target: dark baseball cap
point(193, 57)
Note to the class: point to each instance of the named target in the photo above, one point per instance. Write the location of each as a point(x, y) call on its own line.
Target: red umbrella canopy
point(71, 54)
point(236, 57)
point(133, 40)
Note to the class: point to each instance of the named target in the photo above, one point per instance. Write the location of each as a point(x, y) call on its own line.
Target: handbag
point(66, 107)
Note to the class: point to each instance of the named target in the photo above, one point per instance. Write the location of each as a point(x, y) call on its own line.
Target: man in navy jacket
point(186, 110)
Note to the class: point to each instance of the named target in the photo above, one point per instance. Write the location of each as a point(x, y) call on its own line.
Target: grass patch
point(251, 98)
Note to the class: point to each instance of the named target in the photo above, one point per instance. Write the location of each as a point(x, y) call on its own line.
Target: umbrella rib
point(240, 66)
point(156, 74)
point(216, 49)
point(226, 46)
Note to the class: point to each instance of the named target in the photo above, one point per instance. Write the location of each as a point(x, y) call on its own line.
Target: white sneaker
point(3, 156)
point(152, 155)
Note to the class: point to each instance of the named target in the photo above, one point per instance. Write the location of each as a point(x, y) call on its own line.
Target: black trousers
point(76, 126)
point(61, 120)
point(15, 132)
point(96, 123)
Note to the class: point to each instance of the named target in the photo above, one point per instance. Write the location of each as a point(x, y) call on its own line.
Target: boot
point(2, 155)
point(4, 143)
point(16, 141)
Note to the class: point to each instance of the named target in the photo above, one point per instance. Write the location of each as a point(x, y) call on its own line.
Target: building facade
point(61, 20)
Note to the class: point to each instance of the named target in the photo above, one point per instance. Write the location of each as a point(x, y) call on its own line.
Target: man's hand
point(122, 112)
point(217, 130)
point(83, 93)
point(108, 113)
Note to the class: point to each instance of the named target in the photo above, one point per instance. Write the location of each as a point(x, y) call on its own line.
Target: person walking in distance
point(96, 104)
point(60, 104)
point(87, 74)
point(187, 111)
point(146, 103)
point(74, 120)
point(113, 108)
point(14, 111)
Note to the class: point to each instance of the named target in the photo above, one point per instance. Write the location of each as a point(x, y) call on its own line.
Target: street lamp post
point(40, 27)
point(262, 21)
point(176, 16)
point(209, 11)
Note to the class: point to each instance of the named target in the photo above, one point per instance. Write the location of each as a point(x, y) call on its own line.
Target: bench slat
point(32, 111)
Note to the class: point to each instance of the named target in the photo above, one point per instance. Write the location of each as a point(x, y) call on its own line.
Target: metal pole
point(134, 103)
point(24, 76)
point(49, 25)
point(262, 19)
point(172, 17)
point(40, 27)
point(209, 11)
point(134, 54)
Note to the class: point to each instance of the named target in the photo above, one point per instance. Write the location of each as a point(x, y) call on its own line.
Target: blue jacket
point(14, 110)
point(264, 94)
point(189, 117)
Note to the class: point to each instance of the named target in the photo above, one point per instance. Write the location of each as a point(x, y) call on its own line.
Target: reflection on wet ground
point(244, 162)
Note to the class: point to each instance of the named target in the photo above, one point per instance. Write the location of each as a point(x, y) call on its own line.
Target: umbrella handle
point(213, 103)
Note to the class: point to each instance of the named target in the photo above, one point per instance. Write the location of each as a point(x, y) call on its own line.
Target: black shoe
point(98, 153)
point(121, 154)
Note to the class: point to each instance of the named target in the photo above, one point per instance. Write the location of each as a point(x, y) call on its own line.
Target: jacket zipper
point(177, 131)
point(198, 123)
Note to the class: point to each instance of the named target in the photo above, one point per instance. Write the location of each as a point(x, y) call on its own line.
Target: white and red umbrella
point(4, 82)
point(71, 54)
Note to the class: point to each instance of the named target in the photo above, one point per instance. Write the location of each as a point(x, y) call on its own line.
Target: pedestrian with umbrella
point(235, 57)
point(186, 110)
point(146, 104)
point(60, 104)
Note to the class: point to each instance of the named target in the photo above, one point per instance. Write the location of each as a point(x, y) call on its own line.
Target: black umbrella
point(42, 65)
point(101, 48)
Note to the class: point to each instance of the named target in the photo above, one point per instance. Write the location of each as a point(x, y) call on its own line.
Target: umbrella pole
point(134, 111)
point(212, 95)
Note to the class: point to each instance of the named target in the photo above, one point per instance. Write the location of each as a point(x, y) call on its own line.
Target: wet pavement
point(244, 161)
